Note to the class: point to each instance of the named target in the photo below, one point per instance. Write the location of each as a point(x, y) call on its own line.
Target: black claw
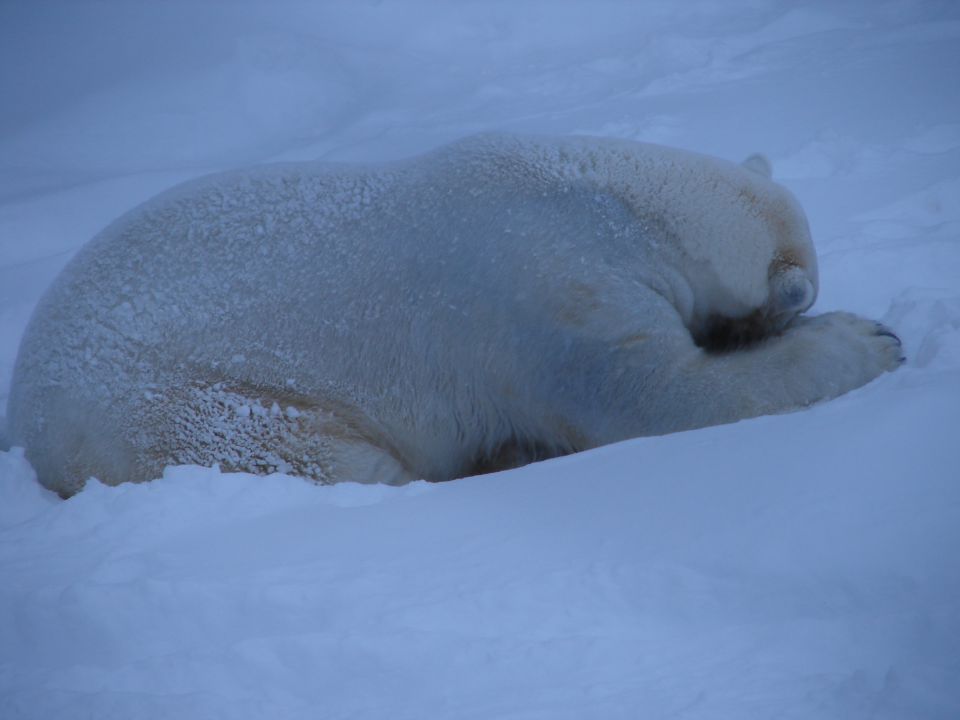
point(889, 333)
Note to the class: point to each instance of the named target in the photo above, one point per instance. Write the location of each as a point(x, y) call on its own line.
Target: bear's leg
point(685, 387)
point(248, 428)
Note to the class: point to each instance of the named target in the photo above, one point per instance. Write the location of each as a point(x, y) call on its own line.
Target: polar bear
point(497, 301)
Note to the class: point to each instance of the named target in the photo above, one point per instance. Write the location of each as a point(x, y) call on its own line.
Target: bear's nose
point(791, 291)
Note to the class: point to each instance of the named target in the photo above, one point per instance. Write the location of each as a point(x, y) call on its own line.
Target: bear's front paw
point(852, 349)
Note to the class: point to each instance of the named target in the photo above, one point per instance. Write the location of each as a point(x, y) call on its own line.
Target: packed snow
point(795, 566)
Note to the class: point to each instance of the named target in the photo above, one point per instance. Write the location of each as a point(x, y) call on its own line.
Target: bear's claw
point(883, 330)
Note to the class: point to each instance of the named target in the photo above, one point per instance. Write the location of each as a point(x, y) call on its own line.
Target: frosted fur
point(495, 301)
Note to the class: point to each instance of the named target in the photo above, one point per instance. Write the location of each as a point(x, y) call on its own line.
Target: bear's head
point(740, 240)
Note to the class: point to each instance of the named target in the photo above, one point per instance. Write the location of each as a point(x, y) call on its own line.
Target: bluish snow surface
point(797, 566)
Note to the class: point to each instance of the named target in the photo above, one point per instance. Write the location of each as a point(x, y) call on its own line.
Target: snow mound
point(802, 575)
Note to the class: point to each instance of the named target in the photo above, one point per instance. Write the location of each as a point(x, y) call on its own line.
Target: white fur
point(493, 301)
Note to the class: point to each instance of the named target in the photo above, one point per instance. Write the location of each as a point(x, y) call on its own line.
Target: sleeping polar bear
point(496, 301)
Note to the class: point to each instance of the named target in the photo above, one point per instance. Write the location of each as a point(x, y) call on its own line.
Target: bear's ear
point(759, 164)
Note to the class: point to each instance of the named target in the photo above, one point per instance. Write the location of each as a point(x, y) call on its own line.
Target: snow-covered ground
point(798, 566)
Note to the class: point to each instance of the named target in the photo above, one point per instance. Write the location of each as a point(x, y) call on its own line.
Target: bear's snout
point(791, 292)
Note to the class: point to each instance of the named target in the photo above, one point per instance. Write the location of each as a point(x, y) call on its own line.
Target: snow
point(797, 566)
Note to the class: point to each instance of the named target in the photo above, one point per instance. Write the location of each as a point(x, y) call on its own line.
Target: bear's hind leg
point(247, 428)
